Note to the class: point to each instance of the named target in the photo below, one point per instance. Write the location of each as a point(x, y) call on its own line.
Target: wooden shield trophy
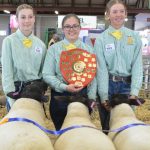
point(78, 66)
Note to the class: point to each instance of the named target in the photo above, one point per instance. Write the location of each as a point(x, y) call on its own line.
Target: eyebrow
point(70, 24)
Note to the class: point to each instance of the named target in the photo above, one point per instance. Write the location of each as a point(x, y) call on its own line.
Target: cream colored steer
point(23, 135)
point(81, 138)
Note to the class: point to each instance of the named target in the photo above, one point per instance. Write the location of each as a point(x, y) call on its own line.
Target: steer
point(20, 135)
point(135, 135)
point(84, 138)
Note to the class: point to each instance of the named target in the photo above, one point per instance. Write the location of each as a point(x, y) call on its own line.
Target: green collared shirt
point(51, 70)
point(118, 57)
point(20, 63)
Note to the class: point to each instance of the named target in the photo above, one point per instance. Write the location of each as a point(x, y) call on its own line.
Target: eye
point(30, 17)
point(67, 27)
point(114, 11)
point(76, 26)
point(23, 17)
point(122, 11)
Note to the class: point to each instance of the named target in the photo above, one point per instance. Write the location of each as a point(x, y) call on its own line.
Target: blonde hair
point(110, 4)
point(23, 6)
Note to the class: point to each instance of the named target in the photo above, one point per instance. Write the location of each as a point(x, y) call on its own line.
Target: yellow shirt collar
point(117, 34)
point(27, 42)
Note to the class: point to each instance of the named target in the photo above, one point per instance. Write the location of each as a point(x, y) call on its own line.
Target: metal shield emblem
point(78, 66)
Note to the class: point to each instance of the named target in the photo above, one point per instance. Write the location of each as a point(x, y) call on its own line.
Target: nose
point(27, 19)
point(71, 28)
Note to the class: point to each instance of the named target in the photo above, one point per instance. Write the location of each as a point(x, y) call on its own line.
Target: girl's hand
point(74, 88)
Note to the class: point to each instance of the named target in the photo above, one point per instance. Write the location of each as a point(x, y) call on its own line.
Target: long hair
point(110, 4)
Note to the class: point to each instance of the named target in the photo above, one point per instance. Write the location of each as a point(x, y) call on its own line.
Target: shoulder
point(10, 38)
point(128, 31)
point(102, 35)
point(39, 41)
point(86, 47)
point(56, 47)
point(132, 33)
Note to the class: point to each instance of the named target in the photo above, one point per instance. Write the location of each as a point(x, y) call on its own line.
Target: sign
point(87, 22)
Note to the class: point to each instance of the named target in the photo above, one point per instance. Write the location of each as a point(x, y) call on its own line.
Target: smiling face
point(117, 15)
point(71, 29)
point(26, 20)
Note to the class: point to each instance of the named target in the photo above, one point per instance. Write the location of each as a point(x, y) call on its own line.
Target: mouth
point(119, 20)
point(72, 34)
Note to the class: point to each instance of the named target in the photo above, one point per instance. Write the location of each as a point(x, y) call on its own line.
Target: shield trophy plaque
point(78, 66)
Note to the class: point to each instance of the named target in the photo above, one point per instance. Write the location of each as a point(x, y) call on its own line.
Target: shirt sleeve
point(49, 72)
point(7, 67)
point(137, 68)
point(43, 57)
point(102, 72)
point(92, 89)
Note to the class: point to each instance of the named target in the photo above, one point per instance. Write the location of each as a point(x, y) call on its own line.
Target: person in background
point(54, 39)
point(52, 73)
point(23, 55)
point(118, 51)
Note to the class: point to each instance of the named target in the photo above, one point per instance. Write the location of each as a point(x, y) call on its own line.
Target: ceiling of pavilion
point(84, 7)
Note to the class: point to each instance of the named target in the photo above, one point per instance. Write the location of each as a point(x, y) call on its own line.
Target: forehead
point(71, 20)
point(117, 7)
point(25, 11)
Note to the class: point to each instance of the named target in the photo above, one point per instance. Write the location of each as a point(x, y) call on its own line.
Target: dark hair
point(118, 99)
point(23, 6)
point(35, 90)
point(69, 16)
point(110, 4)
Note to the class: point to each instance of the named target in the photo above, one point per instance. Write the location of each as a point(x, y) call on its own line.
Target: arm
point(92, 90)
point(102, 72)
point(43, 58)
point(92, 87)
point(7, 67)
point(137, 68)
point(49, 71)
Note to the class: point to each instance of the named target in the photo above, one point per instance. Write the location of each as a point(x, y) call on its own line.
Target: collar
point(26, 41)
point(116, 33)
point(112, 29)
point(67, 45)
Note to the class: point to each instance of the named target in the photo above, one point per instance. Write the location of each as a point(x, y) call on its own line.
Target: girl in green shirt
point(22, 54)
point(118, 51)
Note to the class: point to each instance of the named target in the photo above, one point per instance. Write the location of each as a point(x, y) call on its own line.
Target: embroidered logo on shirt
point(110, 47)
point(130, 40)
point(38, 50)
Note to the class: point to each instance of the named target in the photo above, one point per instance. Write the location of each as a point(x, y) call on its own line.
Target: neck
point(116, 27)
point(26, 33)
point(72, 41)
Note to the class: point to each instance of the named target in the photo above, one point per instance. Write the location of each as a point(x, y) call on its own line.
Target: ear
point(106, 16)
